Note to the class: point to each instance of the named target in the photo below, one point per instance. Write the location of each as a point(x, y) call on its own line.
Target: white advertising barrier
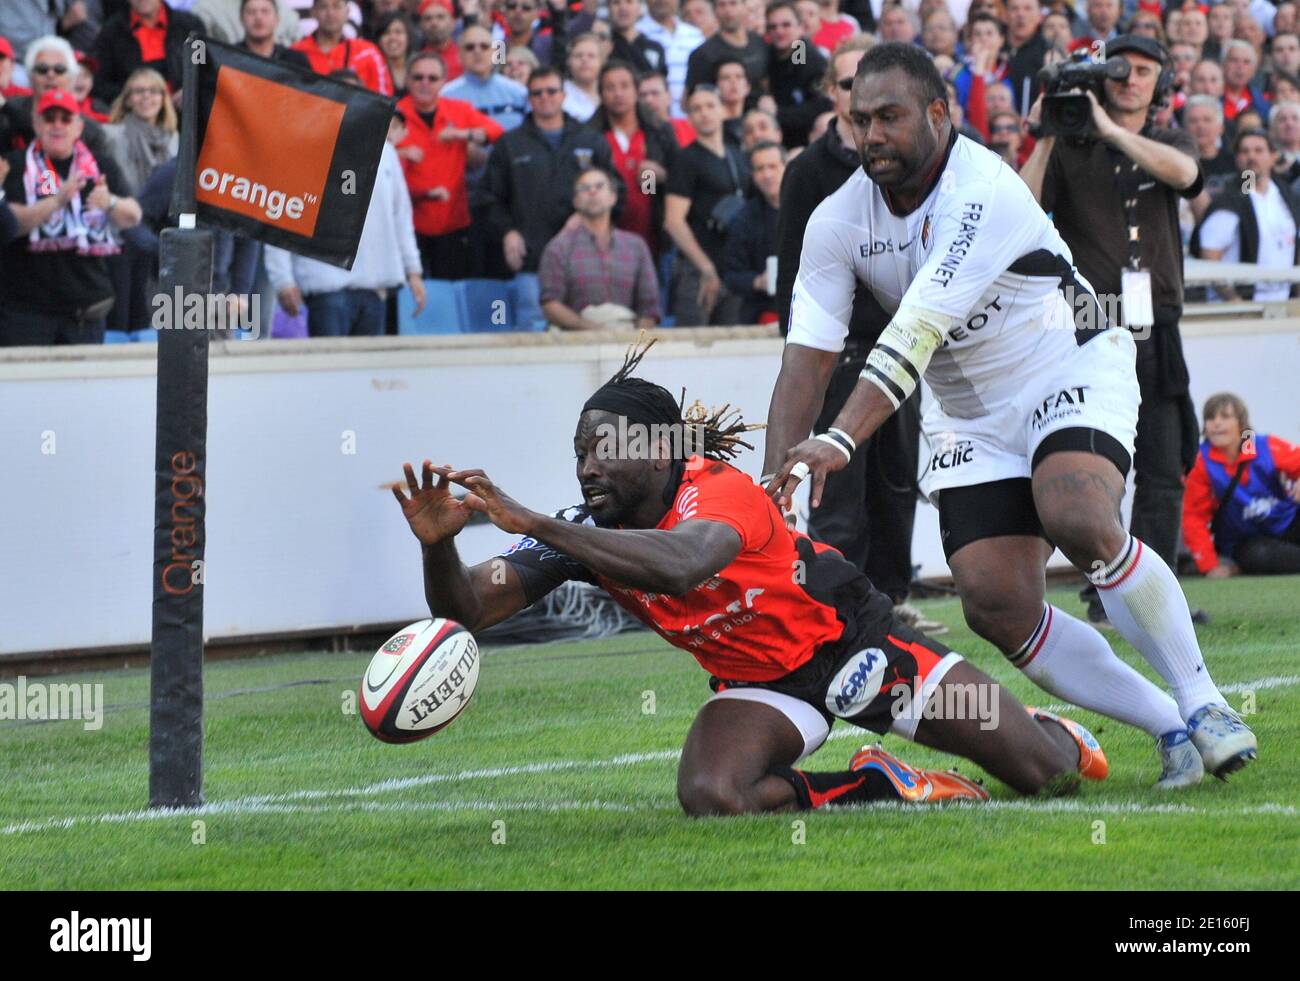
point(302, 533)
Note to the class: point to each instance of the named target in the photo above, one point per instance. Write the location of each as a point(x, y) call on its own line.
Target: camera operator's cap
point(58, 99)
point(1136, 43)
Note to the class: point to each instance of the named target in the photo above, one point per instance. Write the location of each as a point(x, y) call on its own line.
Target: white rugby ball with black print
point(419, 681)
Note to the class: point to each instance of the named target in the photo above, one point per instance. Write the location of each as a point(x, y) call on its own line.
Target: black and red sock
point(814, 790)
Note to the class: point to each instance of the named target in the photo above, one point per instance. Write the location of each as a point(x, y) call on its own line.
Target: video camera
point(1066, 110)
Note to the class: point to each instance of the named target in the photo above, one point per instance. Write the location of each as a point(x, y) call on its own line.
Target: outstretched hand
point(501, 509)
point(431, 511)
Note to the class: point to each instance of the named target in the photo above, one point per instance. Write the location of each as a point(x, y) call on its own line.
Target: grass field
point(557, 756)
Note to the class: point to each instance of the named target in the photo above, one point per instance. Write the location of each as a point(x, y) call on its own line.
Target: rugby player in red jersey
point(793, 635)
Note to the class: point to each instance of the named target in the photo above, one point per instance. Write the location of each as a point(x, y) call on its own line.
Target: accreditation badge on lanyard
point(1135, 284)
point(1136, 299)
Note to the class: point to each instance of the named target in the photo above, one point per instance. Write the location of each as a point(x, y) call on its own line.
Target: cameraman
point(1113, 196)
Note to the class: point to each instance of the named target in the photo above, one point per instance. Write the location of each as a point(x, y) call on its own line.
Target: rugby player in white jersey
point(1034, 414)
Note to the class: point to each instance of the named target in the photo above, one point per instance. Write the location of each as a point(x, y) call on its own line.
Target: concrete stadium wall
point(302, 437)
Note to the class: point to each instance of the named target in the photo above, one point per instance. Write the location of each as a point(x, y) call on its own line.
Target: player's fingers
point(818, 482)
point(411, 482)
point(397, 493)
point(474, 502)
point(460, 476)
point(776, 486)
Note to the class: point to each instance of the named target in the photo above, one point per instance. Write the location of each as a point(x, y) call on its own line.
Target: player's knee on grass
point(705, 794)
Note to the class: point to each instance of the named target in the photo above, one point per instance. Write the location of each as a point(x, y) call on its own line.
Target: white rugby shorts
point(1095, 388)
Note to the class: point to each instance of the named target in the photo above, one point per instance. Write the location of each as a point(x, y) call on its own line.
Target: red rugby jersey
point(758, 618)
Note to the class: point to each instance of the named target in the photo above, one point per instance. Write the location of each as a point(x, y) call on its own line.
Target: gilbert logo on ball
point(419, 681)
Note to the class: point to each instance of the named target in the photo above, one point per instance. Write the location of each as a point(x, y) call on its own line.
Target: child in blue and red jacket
point(1257, 532)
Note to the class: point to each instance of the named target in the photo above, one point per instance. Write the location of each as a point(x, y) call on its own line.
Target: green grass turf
point(301, 797)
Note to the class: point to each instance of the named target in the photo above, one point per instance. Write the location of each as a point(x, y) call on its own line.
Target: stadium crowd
point(614, 163)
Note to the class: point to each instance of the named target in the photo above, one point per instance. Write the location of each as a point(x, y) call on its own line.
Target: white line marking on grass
point(268, 803)
point(264, 802)
point(241, 808)
point(1277, 681)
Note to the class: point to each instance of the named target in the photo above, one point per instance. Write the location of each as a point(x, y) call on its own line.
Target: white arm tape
point(901, 355)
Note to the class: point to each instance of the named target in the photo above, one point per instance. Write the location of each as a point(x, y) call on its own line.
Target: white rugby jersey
point(978, 250)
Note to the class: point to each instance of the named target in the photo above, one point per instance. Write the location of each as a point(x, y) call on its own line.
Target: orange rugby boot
point(1092, 761)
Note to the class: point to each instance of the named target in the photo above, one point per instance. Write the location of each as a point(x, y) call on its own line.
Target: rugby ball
point(419, 681)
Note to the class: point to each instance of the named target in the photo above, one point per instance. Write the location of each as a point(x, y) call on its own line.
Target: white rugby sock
point(1072, 660)
point(1145, 603)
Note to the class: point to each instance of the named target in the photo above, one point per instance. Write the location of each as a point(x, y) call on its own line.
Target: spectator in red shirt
point(328, 50)
point(1239, 66)
point(643, 147)
point(835, 26)
point(652, 88)
point(149, 35)
point(444, 137)
point(8, 89)
point(438, 25)
point(594, 275)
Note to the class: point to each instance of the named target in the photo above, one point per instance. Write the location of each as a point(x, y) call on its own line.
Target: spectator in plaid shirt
point(594, 275)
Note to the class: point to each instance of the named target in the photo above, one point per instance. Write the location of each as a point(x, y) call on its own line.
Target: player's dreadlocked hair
point(644, 402)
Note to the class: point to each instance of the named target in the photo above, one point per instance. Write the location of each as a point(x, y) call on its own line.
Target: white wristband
point(827, 438)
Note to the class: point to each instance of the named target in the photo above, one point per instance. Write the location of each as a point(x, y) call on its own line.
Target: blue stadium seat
point(489, 305)
point(116, 337)
point(144, 334)
point(443, 313)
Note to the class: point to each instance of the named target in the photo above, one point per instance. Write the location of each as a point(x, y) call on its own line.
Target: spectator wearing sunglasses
point(445, 139)
point(481, 85)
point(51, 64)
point(70, 204)
point(506, 102)
point(550, 43)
